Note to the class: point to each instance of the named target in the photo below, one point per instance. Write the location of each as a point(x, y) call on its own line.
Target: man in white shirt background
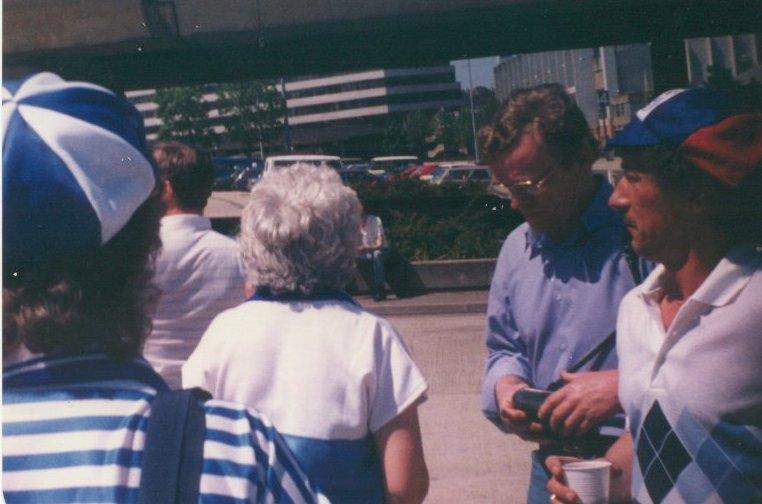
point(198, 271)
point(372, 250)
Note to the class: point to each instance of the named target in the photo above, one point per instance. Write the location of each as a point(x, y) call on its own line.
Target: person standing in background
point(199, 272)
point(372, 250)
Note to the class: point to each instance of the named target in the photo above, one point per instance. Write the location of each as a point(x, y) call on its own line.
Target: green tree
point(184, 115)
point(255, 111)
point(409, 134)
point(453, 127)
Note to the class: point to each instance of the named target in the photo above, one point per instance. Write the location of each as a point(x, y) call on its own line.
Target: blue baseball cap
point(705, 125)
point(74, 168)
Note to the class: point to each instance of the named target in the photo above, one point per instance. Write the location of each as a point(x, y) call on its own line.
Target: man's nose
point(617, 200)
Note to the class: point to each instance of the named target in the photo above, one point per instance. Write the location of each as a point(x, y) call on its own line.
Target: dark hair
point(561, 122)
point(190, 172)
point(95, 302)
point(734, 211)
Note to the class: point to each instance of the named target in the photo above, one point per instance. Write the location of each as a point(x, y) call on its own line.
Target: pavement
point(469, 459)
point(226, 204)
point(434, 303)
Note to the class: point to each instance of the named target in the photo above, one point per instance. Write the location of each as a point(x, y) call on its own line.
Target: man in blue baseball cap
point(81, 215)
point(689, 337)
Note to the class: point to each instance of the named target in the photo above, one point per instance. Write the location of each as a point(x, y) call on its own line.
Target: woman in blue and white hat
point(81, 213)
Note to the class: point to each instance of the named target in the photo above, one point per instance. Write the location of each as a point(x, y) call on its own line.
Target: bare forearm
point(620, 456)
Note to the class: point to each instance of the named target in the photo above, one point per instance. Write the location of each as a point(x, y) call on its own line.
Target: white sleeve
point(398, 381)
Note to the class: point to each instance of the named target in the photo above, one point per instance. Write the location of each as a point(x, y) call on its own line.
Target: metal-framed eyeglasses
point(524, 189)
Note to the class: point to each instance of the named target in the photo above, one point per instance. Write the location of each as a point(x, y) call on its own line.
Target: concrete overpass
point(146, 43)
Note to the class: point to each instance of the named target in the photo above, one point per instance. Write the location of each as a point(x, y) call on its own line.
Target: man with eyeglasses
point(558, 281)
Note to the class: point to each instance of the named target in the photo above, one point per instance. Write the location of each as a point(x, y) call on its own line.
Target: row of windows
point(375, 101)
point(369, 84)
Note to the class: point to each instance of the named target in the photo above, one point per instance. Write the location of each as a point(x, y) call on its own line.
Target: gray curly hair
point(300, 231)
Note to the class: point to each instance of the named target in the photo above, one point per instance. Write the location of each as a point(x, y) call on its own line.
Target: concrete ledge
point(456, 274)
point(387, 309)
point(459, 274)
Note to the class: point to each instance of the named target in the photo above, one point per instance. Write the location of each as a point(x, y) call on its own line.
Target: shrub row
point(425, 222)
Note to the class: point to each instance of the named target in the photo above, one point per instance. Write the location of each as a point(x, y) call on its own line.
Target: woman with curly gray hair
point(336, 380)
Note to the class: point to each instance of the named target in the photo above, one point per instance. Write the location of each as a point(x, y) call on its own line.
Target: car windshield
point(438, 173)
point(393, 166)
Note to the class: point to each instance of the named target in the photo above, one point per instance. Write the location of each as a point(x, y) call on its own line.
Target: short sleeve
point(398, 381)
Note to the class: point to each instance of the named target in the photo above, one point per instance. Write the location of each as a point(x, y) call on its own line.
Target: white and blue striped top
point(74, 430)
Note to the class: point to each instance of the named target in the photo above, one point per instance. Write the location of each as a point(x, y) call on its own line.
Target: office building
point(738, 53)
point(343, 113)
point(608, 83)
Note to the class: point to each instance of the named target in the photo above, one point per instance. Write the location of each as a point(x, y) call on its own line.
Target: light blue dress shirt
point(551, 303)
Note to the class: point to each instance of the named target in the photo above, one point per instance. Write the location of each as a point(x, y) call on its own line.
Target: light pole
point(473, 117)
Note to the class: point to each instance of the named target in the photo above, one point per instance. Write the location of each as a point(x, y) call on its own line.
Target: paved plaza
point(469, 460)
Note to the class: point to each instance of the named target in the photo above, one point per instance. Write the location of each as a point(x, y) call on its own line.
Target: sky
point(481, 71)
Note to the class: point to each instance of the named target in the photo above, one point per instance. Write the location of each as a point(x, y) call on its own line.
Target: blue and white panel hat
point(673, 116)
point(709, 128)
point(74, 168)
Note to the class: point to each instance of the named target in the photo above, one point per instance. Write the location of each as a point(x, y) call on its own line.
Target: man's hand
point(557, 483)
point(515, 420)
point(620, 456)
point(585, 400)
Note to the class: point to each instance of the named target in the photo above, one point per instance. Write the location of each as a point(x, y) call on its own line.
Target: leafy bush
point(426, 222)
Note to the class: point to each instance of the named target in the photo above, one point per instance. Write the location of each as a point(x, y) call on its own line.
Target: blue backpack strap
point(174, 449)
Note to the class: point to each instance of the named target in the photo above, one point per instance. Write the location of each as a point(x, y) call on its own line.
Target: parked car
point(461, 175)
point(228, 170)
point(386, 166)
point(351, 176)
point(275, 162)
point(424, 173)
point(246, 178)
point(357, 166)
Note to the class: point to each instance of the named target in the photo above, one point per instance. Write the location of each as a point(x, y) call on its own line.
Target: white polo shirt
point(371, 230)
point(199, 273)
point(693, 394)
point(329, 374)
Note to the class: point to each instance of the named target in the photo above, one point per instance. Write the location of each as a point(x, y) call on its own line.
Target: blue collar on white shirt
point(265, 294)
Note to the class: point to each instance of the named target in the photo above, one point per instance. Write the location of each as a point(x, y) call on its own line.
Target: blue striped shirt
point(74, 430)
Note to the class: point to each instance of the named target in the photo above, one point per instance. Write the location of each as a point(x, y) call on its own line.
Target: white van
point(274, 162)
point(391, 164)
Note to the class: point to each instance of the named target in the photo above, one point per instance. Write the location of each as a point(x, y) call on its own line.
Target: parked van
point(391, 165)
point(275, 162)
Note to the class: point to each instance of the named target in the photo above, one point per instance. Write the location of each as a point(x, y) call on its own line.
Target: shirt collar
point(729, 277)
point(723, 284)
point(596, 215)
point(69, 370)
point(265, 294)
point(191, 222)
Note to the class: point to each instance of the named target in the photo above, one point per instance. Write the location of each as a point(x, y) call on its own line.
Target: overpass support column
point(669, 64)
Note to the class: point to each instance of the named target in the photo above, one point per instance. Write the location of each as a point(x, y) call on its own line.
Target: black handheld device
point(529, 400)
